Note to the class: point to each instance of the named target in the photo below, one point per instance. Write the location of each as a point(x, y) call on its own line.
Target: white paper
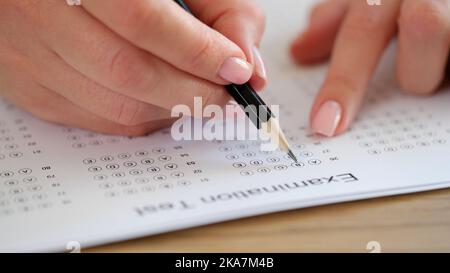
point(59, 185)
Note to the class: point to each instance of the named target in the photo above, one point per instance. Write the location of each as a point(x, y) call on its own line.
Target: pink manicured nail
point(260, 67)
point(327, 119)
point(236, 70)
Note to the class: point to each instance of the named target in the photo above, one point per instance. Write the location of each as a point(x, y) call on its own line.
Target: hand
point(119, 66)
point(355, 34)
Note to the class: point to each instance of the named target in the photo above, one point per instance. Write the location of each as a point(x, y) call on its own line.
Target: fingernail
point(236, 70)
point(327, 119)
point(260, 67)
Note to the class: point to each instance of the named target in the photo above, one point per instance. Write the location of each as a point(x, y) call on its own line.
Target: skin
point(354, 36)
point(119, 66)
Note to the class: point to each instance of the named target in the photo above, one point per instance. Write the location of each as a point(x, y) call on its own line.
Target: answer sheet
point(62, 187)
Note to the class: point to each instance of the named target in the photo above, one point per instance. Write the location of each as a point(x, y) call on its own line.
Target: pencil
point(255, 108)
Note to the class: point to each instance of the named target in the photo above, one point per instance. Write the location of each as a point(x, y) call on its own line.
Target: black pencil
point(255, 108)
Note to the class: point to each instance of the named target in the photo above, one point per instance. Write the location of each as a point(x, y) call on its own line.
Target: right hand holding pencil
point(119, 66)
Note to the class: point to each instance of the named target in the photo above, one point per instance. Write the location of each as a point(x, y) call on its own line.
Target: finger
point(56, 75)
point(110, 61)
point(241, 21)
point(19, 87)
point(50, 106)
point(167, 31)
point(316, 42)
point(49, 70)
point(365, 33)
point(423, 45)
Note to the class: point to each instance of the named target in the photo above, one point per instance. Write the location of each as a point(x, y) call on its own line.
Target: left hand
point(355, 34)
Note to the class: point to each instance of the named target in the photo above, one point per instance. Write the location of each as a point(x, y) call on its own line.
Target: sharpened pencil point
point(291, 155)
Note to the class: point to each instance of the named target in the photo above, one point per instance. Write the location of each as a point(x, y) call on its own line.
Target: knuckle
point(142, 17)
point(423, 19)
point(124, 69)
point(215, 96)
point(199, 56)
point(343, 82)
point(124, 110)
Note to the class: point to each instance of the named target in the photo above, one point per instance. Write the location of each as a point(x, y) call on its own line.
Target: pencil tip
point(291, 155)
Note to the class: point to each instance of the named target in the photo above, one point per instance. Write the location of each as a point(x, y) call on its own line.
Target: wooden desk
point(417, 222)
